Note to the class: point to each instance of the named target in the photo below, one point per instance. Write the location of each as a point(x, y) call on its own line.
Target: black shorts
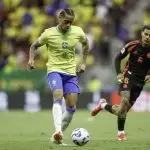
point(132, 84)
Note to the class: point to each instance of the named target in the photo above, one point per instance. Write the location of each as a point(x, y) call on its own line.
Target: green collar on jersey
point(63, 32)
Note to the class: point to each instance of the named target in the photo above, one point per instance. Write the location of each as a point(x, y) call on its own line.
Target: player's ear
point(60, 16)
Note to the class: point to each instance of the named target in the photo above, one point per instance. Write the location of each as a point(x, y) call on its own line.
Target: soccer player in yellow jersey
point(61, 67)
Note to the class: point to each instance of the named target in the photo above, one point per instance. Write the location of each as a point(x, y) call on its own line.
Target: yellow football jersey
point(61, 48)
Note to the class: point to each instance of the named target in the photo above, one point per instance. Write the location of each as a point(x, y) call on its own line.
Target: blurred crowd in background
point(104, 22)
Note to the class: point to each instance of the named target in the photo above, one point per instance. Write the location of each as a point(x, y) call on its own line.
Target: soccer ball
point(80, 136)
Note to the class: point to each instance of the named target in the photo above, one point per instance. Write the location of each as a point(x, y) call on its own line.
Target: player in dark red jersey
point(132, 79)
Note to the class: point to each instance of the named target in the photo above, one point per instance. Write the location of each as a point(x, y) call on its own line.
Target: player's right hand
point(31, 64)
point(120, 77)
point(147, 79)
point(80, 68)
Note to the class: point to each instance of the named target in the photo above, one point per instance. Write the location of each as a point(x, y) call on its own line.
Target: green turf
point(31, 131)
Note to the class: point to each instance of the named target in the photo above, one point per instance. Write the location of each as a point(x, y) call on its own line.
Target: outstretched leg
point(71, 91)
point(119, 110)
point(122, 109)
point(57, 109)
point(55, 83)
point(57, 137)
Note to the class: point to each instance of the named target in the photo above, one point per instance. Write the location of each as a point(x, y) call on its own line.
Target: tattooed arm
point(121, 55)
point(32, 54)
point(85, 47)
point(42, 40)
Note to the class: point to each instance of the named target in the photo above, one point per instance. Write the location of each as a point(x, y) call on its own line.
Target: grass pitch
point(31, 131)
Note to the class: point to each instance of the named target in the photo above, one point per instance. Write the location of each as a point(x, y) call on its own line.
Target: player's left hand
point(147, 79)
point(81, 68)
point(30, 65)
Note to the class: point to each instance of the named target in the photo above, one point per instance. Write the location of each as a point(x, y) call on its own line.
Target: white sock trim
point(103, 105)
point(119, 132)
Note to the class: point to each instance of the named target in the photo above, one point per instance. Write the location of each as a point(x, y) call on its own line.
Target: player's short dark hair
point(67, 11)
point(146, 27)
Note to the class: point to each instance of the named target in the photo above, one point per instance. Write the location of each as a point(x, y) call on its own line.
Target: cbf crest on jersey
point(64, 44)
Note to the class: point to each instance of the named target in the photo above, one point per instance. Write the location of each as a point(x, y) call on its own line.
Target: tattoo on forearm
point(85, 46)
point(33, 49)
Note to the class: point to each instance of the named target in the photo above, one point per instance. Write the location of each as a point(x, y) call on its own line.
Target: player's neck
point(61, 30)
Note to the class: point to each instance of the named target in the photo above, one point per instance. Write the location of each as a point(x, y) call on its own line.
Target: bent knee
point(119, 111)
point(58, 94)
point(125, 101)
point(115, 109)
point(122, 112)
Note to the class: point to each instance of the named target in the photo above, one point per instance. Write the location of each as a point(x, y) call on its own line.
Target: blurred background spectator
point(106, 23)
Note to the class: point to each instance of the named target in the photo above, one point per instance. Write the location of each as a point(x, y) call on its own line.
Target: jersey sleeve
point(122, 54)
point(43, 37)
point(82, 36)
